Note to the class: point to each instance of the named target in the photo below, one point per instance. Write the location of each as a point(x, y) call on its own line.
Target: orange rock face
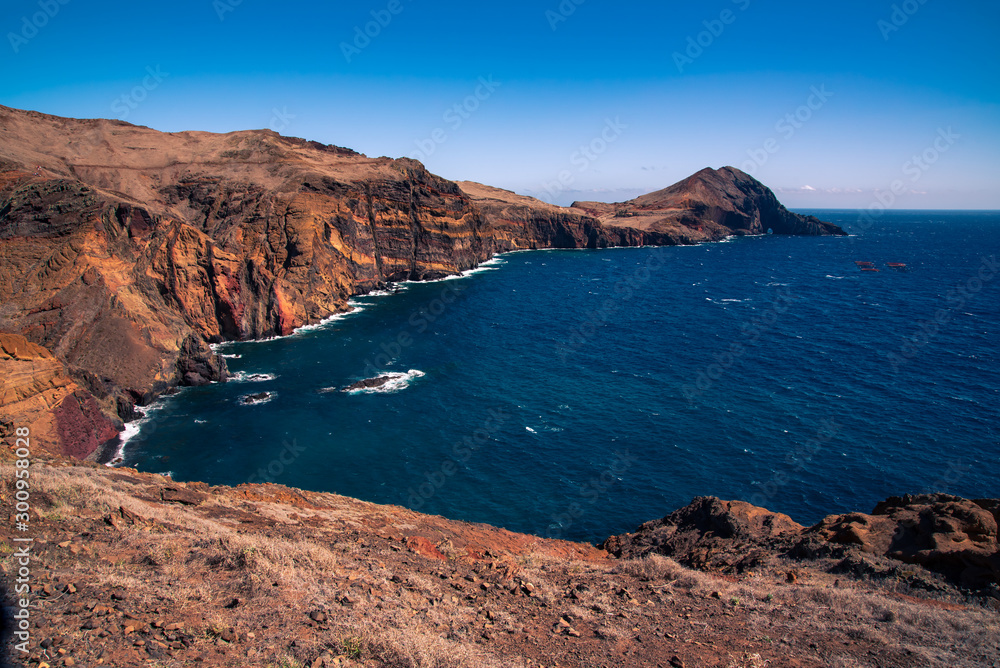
point(125, 251)
point(36, 393)
point(943, 533)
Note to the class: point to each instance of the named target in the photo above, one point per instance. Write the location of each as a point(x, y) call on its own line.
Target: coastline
point(116, 448)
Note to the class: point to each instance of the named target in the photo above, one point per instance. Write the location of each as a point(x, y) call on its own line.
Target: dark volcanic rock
point(198, 365)
point(369, 383)
point(953, 537)
point(709, 533)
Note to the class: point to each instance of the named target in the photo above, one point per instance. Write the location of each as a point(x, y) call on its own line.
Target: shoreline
point(113, 449)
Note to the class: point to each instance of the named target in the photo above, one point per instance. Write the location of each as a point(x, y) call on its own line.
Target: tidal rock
point(369, 383)
point(198, 365)
point(253, 399)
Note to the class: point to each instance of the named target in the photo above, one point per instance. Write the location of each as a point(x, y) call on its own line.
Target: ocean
point(577, 394)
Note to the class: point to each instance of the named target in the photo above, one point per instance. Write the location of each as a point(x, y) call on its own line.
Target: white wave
point(465, 274)
point(232, 357)
point(355, 307)
point(244, 377)
point(736, 301)
point(397, 382)
point(531, 430)
point(836, 278)
point(201, 421)
point(131, 430)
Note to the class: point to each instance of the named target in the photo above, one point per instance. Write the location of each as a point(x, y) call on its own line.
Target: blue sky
point(826, 103)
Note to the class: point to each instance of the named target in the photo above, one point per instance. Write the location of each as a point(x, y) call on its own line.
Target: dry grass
point(935, 636)
point(654, 568)
point(194, 560)
point(195, 550)
point(749, 661)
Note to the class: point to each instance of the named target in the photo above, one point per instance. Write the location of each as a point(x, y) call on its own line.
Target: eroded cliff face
point(35, 387)
point(125, 251)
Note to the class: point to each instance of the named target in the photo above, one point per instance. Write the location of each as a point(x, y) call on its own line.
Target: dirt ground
point(132, 569)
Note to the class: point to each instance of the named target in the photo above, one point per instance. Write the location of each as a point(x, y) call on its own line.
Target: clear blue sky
point(888, 91)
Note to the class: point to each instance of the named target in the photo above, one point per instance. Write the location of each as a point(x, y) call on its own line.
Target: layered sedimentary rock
point(126, 252)
point(35, 387)
point(947, 535)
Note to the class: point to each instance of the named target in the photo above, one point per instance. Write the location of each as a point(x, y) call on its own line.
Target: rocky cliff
point(945, 535)
point(125, 251)
point(37, 388)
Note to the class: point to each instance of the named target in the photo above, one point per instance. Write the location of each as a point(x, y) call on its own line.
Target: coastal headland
point(125, 253)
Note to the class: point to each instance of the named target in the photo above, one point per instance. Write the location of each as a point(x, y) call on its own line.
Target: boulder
point(953, 537)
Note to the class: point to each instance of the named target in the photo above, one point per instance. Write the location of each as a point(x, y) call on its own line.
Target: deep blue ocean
point(577, 394)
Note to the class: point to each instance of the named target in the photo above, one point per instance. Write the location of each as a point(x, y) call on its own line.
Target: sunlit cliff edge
point(125, 251)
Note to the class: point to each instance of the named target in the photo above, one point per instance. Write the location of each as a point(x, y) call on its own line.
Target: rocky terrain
point(125, 252)
point(133, 569)
point(953, 537)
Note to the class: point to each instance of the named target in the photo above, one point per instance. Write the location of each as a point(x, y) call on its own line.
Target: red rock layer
point(125, 251)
